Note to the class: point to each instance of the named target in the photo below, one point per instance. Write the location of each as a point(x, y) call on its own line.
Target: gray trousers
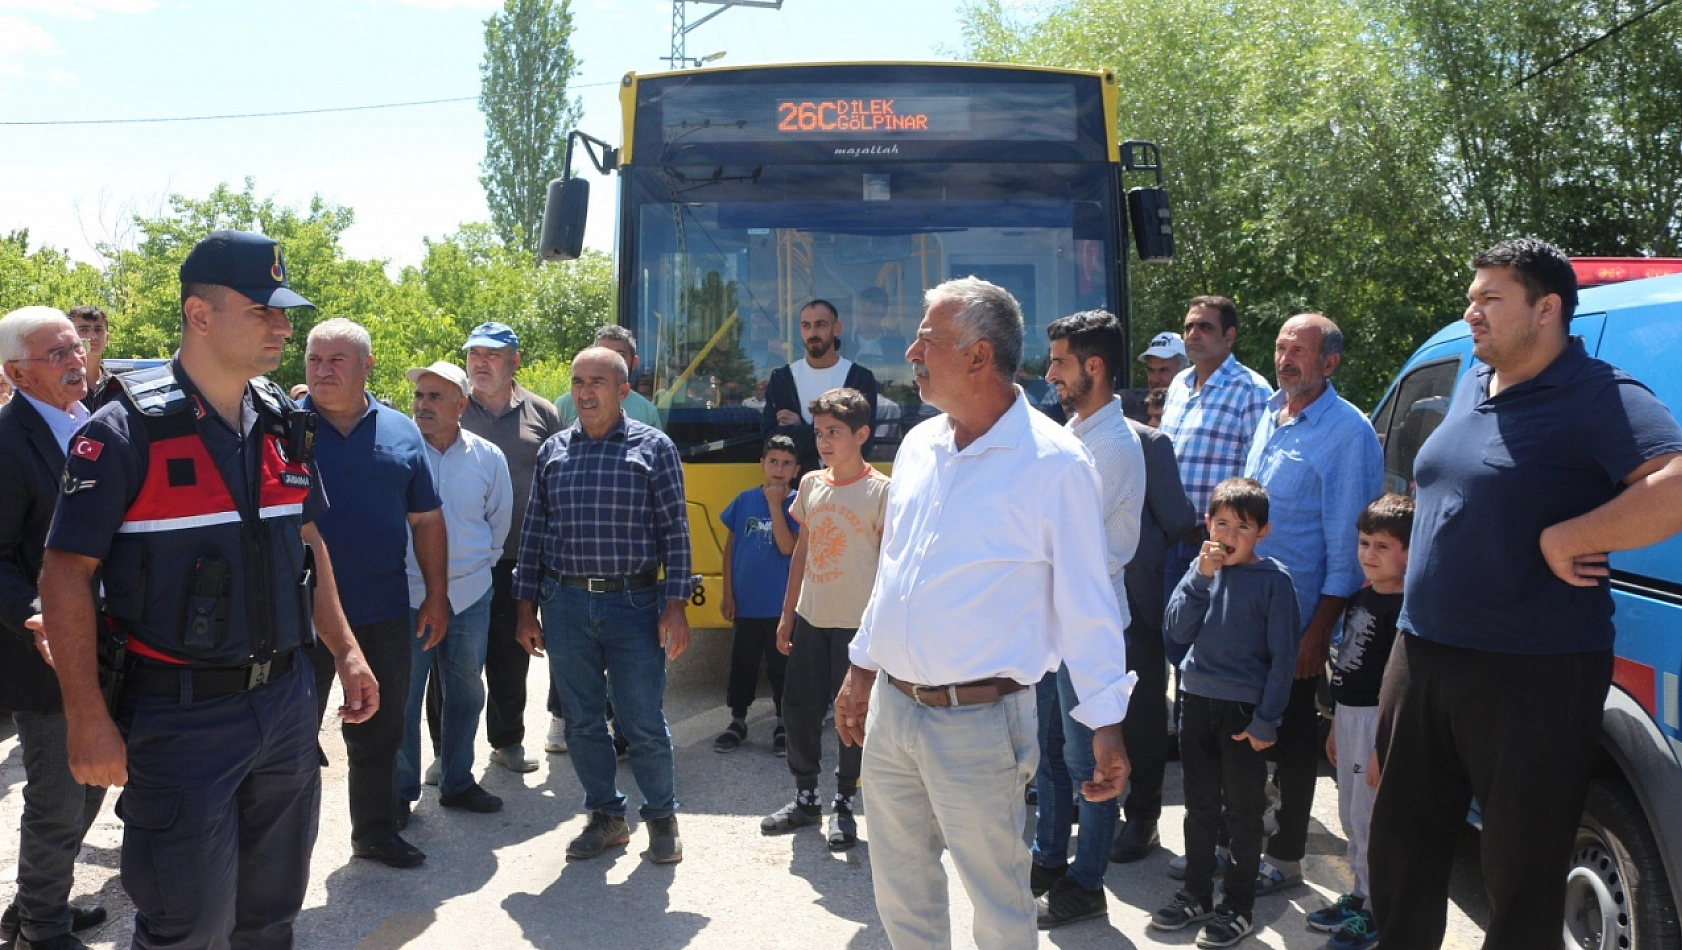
point(57, 812)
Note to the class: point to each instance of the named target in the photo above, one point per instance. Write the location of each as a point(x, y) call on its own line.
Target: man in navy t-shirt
point(373, 461)
point(1547, 459)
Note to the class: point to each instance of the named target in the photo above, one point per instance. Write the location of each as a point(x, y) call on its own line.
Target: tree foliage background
point(1349, 156)
point(523, 94)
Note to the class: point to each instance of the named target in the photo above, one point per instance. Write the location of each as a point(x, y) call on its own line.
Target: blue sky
point(408, 173)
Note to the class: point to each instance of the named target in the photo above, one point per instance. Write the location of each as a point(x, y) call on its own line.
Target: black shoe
point(731, 738)
point(789, 818)
point(1041, 878)
point(1183, 911)
point(664, 845)
point(843, 827)
point(604, 831)
point(392, 852)
point(475, 799)
point(60, 942)
point(81, 918)
point(400, 821)
point(1228, 927)
point(1137, 840)
point(1068, 902)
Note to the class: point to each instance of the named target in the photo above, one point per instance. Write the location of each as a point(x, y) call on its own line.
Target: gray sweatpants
point(1356, 728)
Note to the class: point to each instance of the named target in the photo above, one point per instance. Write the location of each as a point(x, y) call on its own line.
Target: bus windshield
point(725, 257)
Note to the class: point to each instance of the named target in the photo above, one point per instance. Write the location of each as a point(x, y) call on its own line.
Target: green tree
point(523, 93)
point(45, 277)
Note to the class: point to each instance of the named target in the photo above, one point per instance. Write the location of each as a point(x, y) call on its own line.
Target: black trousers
point(1520, 733)
point(1146, 725)
point(506, 665)
point(816, 666)
point(1296, 758)
point(372, 746)
point(753, 643)
point(1223, 779)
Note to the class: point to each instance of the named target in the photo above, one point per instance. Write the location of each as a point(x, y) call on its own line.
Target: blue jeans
point(460, 658)
point(601, 647)
point(1066, 760)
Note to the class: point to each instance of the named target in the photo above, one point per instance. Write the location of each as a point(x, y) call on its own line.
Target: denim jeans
point(604, 646)
point(1061, 772)
point(460, 659)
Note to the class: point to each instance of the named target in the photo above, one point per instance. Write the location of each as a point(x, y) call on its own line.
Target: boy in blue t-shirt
point(756, 560)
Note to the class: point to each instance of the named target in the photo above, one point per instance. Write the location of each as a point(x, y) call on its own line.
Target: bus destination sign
point(875, 116)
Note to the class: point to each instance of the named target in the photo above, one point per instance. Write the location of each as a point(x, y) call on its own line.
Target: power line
point(1558, 60)
point(266, 115)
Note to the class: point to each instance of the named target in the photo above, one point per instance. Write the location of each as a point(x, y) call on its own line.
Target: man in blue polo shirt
point(1547, 459)
point(373, 460)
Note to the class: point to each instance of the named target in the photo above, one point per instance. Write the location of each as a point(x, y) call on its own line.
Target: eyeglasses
point(58, 356)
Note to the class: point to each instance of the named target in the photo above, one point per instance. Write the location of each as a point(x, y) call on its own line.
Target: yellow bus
point(746, 192)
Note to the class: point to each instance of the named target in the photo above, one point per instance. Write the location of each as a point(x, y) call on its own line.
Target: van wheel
point(1617, 896)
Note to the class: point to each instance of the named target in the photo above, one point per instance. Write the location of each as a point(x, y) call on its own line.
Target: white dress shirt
point(993, 564)
point(1120, 459)
point(472, 479)
point(62, 423)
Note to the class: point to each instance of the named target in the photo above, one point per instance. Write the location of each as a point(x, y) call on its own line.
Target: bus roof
point(633, 76)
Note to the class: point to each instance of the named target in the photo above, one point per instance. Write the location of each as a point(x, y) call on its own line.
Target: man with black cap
point(195, 491)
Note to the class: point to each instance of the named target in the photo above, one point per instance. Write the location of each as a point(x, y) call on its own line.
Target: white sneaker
point(432, 772)
point(557, 741)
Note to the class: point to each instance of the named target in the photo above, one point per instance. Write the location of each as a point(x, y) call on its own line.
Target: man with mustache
point(793, 387)
point(1321, 463)
point(41, 354)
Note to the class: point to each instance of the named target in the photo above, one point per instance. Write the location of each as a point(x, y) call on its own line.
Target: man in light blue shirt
point(471, 476)
point(1321, 463)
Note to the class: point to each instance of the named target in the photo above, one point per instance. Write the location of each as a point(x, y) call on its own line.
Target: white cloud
point(19, 38)
point(61, 76)
point(80, 9)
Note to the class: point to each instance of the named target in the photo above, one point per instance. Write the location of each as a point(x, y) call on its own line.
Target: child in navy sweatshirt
point(1239, 613)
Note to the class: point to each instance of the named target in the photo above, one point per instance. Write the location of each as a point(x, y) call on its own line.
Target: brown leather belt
point(976, 693)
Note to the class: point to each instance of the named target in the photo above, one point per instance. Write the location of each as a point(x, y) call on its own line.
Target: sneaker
point(1041, 878)
point(433, 771)
point(664, 845)
point(513, 758)
point(1272, 880)
point(731, 738)
point(1331, 919)
point(474, 798)
point(790, 817)
point(779, 741)
point(1183, 911)
point(1177, 866)
point(1067, 903)
point(1228, 927)
point(604, 831)
point(1358, 933)
point(556, 742)
point(843, 828)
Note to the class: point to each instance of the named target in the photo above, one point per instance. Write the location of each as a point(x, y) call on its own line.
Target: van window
point(1414, 410)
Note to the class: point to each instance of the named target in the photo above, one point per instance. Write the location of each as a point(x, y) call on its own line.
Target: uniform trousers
point(950, 780)
point(219, 815)
point(1519, 732)
point(57, 813)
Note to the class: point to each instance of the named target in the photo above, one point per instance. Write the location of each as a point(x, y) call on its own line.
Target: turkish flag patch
point(86, 448)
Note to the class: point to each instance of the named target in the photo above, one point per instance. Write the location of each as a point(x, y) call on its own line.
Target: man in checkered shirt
point(1213, 408)
point(606, 514)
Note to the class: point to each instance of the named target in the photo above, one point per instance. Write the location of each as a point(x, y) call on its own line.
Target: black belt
point(605, 585)
point(156, 680)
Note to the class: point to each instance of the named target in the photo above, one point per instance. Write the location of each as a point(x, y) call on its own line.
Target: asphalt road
point(502, 880)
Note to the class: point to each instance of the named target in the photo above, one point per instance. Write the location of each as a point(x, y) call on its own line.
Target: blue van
point(1622, 890)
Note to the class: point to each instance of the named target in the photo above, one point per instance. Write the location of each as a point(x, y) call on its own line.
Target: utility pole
point(681, 28)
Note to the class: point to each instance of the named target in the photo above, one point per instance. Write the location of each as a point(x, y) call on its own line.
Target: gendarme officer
point(194, 491)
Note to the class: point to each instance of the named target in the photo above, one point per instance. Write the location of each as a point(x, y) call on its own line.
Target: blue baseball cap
point(492, 334)
point(248, 263)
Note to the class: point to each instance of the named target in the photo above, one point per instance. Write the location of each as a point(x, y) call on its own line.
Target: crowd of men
point(165, 546)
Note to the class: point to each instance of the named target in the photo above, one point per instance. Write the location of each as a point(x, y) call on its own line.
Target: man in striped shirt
point(606, 513)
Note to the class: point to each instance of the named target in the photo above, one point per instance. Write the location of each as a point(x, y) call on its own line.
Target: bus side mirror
point(1153, 229)
point(564, 212)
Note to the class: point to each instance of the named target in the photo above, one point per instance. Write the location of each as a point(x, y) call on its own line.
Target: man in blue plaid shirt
point(1213, 408)
point(606, 514)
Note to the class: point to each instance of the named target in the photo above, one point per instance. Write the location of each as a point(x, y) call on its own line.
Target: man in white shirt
point(1086, 350)
point(791, 388)
point(992, 573)
point(471, 476)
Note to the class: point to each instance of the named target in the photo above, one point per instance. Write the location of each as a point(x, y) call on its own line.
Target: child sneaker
point(1331, 919)
point(1228, 927)
point(1183, 911)
point(1358, 934)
